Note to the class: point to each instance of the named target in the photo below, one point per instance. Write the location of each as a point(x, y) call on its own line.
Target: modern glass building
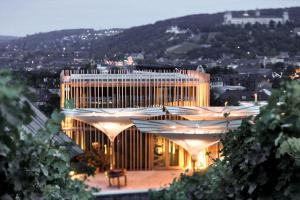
point(145, 120)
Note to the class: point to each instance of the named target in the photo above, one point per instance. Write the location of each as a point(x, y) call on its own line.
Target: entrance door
point(159, 152)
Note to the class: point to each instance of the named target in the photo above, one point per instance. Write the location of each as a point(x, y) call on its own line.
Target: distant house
point(129, 60)
point(297, 31)
point(257, 18)
point(252, 82)
point(294, 61)
point(263, 84)
point(273, 60)
point(226, 88)
point(243, 95)
point(254, 70)
point(211, 64)
point(175, 30)
point(41, 97)
point(238, 95)
point(283, 55)
point(137, 56)
point(216, 82)
point(81, 60)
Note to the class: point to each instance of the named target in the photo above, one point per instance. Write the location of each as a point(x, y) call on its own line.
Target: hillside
point(5, 38)
point(186, 38)
point(205, 30)
point(61, 41)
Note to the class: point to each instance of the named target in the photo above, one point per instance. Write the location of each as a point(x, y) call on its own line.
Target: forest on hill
point(188, 37)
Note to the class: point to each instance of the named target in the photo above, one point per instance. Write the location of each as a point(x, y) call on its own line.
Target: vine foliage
point(32, 166)
point(261, 159)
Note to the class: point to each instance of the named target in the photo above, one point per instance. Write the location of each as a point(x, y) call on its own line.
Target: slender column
point(90, 94)
point(160, 87)
point(130, 149)
point(122, 151)
point(126, 141)
point(112, 154)
point(137, 149)
point(146, 150)
point(62, 95)
point(107, 93)
point(130, 92)
point(133, 149)
point(141, 150)
point(150, 103)
point(118, 151)
point(122, 92)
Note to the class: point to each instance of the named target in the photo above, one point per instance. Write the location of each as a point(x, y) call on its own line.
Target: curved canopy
point(195, 146)
point(112, 121)
point(193, 136)
point(213, 113)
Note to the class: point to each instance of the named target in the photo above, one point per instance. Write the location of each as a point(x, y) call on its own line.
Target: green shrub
point(32, 166)
point(261, 158)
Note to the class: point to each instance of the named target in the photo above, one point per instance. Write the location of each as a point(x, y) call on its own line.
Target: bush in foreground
point(32, 166)
point(261, 158)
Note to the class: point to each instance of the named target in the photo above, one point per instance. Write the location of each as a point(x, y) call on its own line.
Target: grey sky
point(21, 17)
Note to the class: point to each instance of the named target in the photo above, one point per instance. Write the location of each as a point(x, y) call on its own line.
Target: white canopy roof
point(112, 121)
point(193, 136)
point(213, 113)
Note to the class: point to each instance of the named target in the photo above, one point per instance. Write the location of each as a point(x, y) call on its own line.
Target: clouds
point(21, 17)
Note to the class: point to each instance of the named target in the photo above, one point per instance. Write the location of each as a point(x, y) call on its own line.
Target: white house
point(257, 18)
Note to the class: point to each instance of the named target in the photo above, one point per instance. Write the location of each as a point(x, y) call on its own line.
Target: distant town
point(203, 106)
point(246, 53)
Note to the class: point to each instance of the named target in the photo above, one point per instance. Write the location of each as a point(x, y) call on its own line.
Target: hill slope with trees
point(188, 37)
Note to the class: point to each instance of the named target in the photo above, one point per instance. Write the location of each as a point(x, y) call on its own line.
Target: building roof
point(244, 95)
point(214, 113)
point(187, 128)
point(252, 14)
point(112, 121)
point(38, 122)
point(193, 136)
point(253, 70)
point(137, 75)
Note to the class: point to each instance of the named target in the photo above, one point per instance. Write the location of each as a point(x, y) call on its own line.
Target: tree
point(261, 159)
point(221, 70)
point(231, 101)
point(51, 105)
point(32, 166)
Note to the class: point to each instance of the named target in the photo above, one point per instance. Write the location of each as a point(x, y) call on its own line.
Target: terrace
point(136, 180)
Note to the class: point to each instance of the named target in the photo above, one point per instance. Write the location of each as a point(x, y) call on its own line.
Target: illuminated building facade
point(110, 111)
point(257, 18)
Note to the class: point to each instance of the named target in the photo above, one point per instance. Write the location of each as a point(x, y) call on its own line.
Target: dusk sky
point(21, 17)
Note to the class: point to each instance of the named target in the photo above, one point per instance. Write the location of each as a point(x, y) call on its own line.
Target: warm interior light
point(67, 123)
point(105, 149)
point(72, 173)
point(95, 145)
point(201, 162)
point(226, 102)
point(159, 149)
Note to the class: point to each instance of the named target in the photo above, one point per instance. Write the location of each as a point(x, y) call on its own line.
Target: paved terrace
point(136, 181)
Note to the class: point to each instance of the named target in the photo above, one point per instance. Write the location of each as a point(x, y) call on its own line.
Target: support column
point(112, 154)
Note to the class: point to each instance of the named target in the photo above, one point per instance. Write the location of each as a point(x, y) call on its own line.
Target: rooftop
point(125, 75)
